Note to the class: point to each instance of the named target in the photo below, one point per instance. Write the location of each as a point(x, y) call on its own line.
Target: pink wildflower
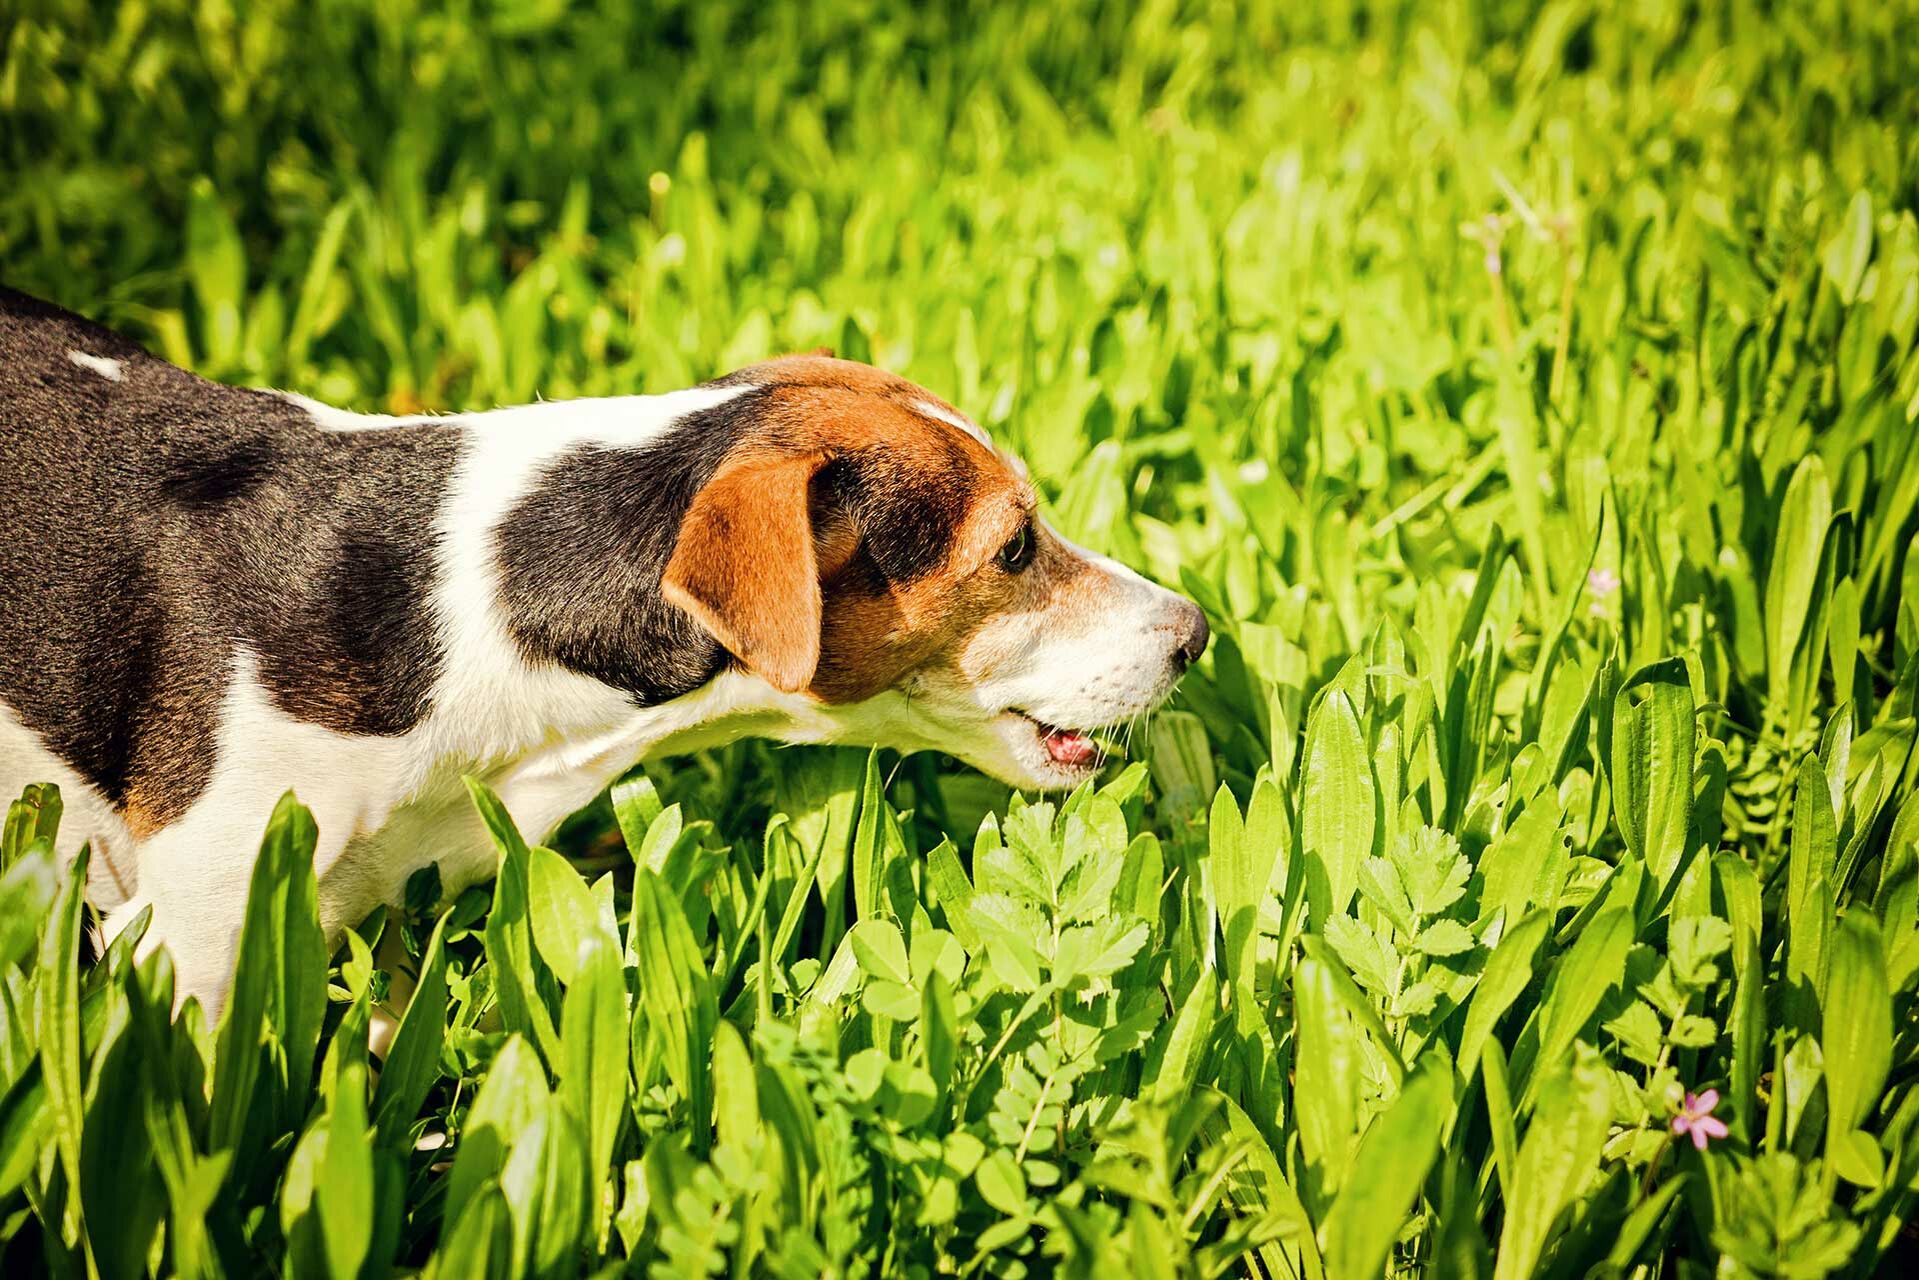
point(1695, 1117)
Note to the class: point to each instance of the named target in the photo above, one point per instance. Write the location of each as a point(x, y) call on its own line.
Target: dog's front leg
point(196, 874)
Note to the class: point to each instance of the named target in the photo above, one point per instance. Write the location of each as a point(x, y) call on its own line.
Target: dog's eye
point(1018, 551)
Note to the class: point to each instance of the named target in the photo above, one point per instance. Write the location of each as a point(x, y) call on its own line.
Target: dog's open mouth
point(1068, 748)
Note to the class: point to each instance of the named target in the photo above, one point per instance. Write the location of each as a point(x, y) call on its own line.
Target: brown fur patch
point(901, 532)
point(142, 821)
point(744, 565)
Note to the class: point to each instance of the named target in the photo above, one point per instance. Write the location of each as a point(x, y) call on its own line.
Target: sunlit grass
point(1527, 394)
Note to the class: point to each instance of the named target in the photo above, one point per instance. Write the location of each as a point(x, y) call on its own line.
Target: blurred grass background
point(395, 204)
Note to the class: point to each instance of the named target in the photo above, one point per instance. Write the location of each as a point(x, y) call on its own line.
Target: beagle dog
point(215, 594)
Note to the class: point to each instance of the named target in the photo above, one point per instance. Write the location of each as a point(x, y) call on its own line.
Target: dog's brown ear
point(745, 567)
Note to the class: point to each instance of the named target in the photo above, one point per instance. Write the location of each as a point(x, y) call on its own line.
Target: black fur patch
point(908, 511)
point(582, 554)
point(155, 522)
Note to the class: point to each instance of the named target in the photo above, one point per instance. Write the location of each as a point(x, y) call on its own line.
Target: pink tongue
point(1067, 747)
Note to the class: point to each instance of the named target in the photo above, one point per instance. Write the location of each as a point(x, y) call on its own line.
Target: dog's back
point(151, 521)
point(85, 627)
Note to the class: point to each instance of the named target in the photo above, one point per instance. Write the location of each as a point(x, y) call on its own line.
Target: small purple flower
point(1695, 1117)
point(1602, 582)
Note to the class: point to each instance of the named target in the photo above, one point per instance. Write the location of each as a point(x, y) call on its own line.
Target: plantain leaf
point(1650, 765)
point(1856, 1032)
point(1808, 904)
point(1326, 1091)
point(1394, 1155)
point(1592, 966)
point(1560, 1152)
point(1507, 974)
point(1796, 549)
point(1336, 819)
point(676, 992)
point(513, 1091)
point(512, 958)
point(1844, 257)
point(561, 910)
point(413, 1060)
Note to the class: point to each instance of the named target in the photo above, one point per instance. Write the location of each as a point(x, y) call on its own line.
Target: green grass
point(1529, 398)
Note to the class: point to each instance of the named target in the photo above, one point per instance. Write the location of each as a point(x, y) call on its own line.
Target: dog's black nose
point(1192, 633)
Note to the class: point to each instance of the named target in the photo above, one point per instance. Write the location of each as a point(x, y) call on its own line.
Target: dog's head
point(866, 545)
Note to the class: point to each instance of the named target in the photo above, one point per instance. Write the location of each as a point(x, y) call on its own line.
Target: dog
point(216, 594)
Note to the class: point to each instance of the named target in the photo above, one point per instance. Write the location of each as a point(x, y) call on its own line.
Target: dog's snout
point(1190, 633)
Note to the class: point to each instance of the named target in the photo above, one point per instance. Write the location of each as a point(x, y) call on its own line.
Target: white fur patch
point(970, 427)
point(328, 418)
point(504, 706)
point(111, 370)
point(195, 871)
point(87, 815)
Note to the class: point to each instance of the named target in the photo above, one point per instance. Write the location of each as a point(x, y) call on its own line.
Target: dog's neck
point(549, 538)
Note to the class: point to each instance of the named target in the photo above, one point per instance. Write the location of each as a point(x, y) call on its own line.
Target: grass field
point(1526, 392)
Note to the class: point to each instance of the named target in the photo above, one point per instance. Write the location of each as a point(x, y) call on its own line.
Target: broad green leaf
point(735, 1093)
point(57, 1026)
point(479, 1245)
point(676, 993)
point(1650, 765)
point(413, 1060)
point(1593, 965)
point(216, 263)
point(511, 1094)
point(561, 910)
point(1856, 1030)
point(547, 1191)
point(121, 1184)
point(27, 889)
point(1559, 1153)
point(1242, 874)
point(594, 1034)
point(1748, 1031)
point(1192, 1027)
point(1508, 972)
point(821, 790)
point(25, 1124)
point(955, 893)
point(636, 805)
point(279, 980)
point(1327, 1089)
point(1336, 820)
point(512, 960)
point(1394, 1156)
point(1803, 516)
point(1808, 904)
point(1844, 257)
point(344, 1195)
point(33, 818)
point(867, 854)
point(1263, 1187)
point(1502, 1120)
